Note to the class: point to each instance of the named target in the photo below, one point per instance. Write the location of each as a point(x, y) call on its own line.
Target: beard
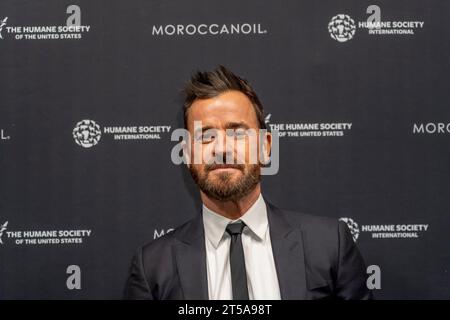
point(224, 186)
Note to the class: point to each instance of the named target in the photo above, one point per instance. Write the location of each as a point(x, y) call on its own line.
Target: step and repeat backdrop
point(358, 92)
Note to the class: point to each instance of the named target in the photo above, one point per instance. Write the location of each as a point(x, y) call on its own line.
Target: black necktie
point(237, 262)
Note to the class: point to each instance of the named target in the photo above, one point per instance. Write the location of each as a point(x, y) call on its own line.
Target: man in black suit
point(241, 246)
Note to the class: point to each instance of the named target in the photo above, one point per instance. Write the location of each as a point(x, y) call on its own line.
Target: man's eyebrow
point(236, 125)
point(203, 129)
point(228, 125)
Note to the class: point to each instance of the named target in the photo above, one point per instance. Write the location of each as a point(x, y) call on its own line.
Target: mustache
point(213, 166)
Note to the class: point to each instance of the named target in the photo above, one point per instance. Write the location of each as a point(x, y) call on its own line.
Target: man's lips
point(224, 167)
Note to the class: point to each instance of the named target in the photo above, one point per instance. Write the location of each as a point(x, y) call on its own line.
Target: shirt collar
point(255, 218)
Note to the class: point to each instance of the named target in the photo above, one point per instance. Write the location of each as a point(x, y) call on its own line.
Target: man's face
point(222, 138)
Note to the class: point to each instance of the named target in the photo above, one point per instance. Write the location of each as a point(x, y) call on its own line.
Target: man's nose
point(223, 145)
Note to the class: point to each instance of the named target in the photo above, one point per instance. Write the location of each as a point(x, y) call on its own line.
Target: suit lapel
point(190, 253)
point(287, 246)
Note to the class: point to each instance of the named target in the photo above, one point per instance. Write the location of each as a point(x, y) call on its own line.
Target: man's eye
point(207, 137)
point(238, 134)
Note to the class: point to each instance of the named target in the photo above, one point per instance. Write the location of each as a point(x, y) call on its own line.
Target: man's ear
point(266, 148)
point(186, 146)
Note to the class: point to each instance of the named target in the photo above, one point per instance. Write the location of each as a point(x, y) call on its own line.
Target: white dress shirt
point(262, 280)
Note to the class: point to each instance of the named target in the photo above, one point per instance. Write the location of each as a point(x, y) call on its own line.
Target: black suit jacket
point(315, 258)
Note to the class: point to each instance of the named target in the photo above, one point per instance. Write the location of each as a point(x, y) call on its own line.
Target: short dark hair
point(209, 84)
